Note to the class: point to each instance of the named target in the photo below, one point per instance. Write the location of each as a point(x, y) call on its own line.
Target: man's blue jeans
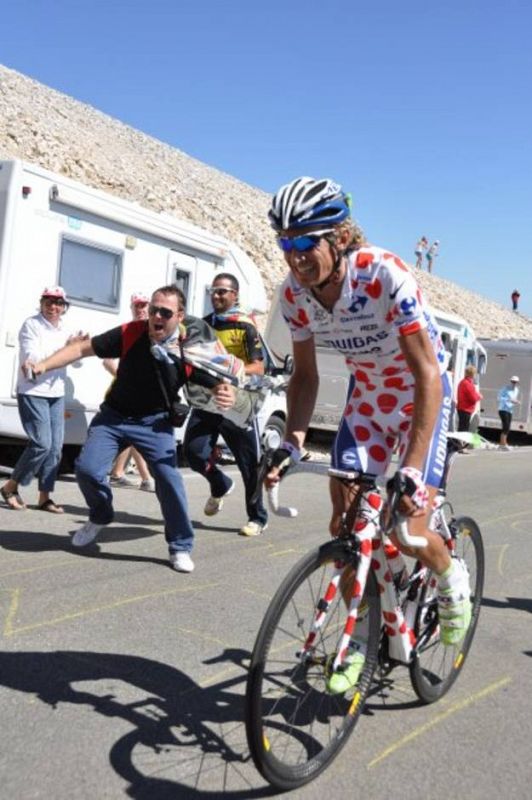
point(153, 437)
point(43, 420)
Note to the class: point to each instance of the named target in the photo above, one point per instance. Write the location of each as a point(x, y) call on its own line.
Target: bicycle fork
point(365, 532)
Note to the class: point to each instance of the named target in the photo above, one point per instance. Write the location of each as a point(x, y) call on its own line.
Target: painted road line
point(419, 731)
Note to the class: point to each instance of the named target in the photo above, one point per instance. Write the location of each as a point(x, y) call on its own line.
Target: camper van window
point(90, 275)
point(181, 280)
point(446, 340)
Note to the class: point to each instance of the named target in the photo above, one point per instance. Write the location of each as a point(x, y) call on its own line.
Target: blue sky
point(422, 110)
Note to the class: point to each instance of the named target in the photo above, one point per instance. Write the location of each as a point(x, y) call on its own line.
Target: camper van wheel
point(273, 433)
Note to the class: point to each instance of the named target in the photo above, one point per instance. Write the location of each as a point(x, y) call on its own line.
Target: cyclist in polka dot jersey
point(364, 302)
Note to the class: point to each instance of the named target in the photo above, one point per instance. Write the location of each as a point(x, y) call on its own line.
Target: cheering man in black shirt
point(135, 412)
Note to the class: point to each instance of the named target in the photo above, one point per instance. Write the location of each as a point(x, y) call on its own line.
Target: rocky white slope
point(40, 125)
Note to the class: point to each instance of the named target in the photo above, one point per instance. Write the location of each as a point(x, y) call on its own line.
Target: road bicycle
point(294, 726)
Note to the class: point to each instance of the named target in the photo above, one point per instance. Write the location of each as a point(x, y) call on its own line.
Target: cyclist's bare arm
point(421, 359)
point(300, 397)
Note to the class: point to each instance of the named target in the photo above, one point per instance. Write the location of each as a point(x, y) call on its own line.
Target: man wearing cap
point(41, 404)
point(508, 397)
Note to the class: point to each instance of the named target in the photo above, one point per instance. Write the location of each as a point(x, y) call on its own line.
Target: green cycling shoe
point(348, 674)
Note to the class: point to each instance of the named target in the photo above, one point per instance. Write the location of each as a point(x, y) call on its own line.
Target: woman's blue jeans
point(43, 420)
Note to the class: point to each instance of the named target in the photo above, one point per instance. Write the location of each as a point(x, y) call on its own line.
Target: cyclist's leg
point(454, 595)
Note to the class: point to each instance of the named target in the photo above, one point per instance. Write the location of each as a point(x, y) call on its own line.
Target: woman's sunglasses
point(54, 301)
point(165, 313)
point(301, 243)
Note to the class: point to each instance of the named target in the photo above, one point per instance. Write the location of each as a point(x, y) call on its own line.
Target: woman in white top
point(41, 404)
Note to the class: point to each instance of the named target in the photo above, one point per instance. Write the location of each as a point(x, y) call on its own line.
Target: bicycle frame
point(374, 551)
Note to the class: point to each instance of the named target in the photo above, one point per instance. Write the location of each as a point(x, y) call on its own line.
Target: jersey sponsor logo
point(369, 327)
point(393, 295)
point(441, 447)
point(320, 315)
point(356, 342)
point(358, 304)
point(408, 306)
point(349, 458)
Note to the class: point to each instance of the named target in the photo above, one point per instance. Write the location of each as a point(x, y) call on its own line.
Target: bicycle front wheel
point(295, 728)
point(436, 666)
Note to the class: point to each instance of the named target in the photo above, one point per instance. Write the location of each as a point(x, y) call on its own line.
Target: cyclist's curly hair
point(357, 238)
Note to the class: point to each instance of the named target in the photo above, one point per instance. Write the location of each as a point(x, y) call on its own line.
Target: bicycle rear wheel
point(436, 666)
point(295, 728)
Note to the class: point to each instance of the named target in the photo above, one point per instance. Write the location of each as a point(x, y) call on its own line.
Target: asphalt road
point(121, 678)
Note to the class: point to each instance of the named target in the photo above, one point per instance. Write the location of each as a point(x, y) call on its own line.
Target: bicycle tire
point(436, 666)
point(294, 727)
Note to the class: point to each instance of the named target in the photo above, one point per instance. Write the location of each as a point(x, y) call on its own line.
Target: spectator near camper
point(136, 412)
point(238, 334)
point(467, 398)
point(515, 299)
point(508, 398)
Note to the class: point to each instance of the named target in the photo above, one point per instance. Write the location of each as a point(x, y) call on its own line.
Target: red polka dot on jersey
point(361, 434)
point(391, 371)
point(389, 616)
point(375, 564)
point(289, 295)
point(302, 316)
point(367, 364)
point(390, 441)
point(374, 289)
point(348, 410)
point(404, 426)
point(364, 260)
point(399, 357)
point(357, 392)
point(362, 376)
point(366, 410)
point(377, 453)
point(387, 402)
point(408, 409)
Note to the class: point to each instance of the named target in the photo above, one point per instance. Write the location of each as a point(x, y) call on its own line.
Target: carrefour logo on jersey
point(408, 305)
point(358, 304)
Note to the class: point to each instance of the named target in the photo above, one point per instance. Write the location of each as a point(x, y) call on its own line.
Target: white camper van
point(459, 340)
point(507, 357)
point(100, 249)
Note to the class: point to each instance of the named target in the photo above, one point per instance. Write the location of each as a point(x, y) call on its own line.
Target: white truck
point(459, 340)
point(101, 249)
point(507, 357)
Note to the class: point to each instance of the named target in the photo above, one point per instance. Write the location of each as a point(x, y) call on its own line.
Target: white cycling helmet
point(306, 202)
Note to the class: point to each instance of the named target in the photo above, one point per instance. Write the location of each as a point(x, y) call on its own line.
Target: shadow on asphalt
point(177, 742)
point(519, 603)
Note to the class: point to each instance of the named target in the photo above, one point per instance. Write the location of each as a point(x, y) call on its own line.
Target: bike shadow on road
point(183, 736)
point(517, 603)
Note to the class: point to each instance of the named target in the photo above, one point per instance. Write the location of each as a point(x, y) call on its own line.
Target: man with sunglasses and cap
point(363, 301)
point(135, 412)
point(239, 335)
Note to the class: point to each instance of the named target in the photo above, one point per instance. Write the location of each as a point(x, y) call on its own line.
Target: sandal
point(52, 507)
point(12, 500)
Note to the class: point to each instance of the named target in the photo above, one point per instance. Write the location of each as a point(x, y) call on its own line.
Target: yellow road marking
point(504, 548)
point(37, 569)
point(9, 630)
point(500, 519)
point(493, 687)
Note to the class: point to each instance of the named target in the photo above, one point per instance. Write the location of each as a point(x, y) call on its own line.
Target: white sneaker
point(215, 504)
point(504, 447)
point(148, 485)
point(252, 528)
point(86, 534)
point(123, 480)
point(181, 561)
